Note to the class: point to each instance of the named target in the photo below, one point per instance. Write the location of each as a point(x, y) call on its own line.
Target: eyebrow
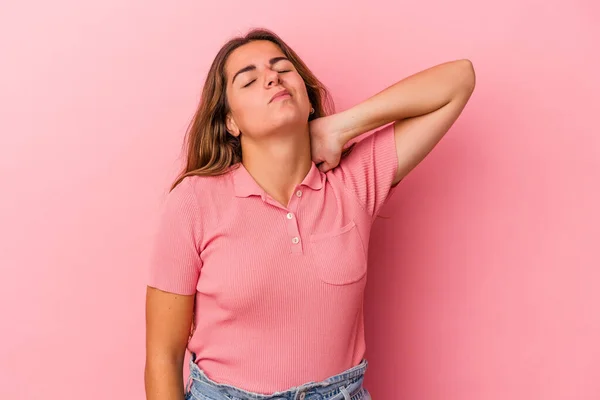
point(253, 67)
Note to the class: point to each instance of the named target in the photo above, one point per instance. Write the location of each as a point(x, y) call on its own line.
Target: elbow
point(157, 369)
point(161, 360)
point(466, 75)
point(164, 361)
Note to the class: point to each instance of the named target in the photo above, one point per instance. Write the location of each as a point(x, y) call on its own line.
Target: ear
point(232, 127)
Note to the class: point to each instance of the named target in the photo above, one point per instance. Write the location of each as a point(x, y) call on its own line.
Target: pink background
point(483, 282)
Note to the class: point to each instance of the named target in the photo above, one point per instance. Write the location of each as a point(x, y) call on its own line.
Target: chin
point(288, 118)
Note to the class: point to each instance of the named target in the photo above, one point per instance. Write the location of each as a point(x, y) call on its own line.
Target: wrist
point(347, 125)
point(357, 120)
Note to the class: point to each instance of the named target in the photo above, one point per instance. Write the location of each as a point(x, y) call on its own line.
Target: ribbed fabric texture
point(279, 288)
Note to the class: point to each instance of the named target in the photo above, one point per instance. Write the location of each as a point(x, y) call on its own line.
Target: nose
point(271, 77)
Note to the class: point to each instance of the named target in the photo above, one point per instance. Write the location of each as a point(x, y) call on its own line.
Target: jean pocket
point(339, 255)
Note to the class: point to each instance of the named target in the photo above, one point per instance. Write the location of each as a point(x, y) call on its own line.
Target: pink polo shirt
point(279, 290)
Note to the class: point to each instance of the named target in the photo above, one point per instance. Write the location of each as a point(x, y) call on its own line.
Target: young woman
point(262, 245)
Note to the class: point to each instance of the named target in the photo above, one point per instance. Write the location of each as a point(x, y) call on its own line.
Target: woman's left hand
point(325, 142)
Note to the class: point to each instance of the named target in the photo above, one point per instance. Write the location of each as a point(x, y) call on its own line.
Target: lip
point(279, 94)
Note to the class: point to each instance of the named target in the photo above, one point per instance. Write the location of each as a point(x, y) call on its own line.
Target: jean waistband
point(347, 385)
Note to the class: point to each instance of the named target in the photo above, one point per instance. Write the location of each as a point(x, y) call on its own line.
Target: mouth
point(283, 94)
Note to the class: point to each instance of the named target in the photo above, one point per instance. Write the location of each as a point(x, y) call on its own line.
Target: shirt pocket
point(339, 255)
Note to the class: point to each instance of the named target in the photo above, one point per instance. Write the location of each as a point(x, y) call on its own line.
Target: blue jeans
point(347, 385)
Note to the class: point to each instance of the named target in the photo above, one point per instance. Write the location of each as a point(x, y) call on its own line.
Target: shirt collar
point(245, 185)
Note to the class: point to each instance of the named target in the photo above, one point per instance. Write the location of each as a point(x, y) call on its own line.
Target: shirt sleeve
point(175, 261)
point(369, 170)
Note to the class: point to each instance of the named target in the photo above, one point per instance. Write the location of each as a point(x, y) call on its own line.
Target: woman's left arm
point(422, 106)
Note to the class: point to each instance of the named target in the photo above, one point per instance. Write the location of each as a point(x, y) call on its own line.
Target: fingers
point(324, 166)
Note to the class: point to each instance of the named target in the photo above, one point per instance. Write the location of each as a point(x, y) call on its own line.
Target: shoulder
point(370, 144)
point(201, 196)
point(370, 167)
point(204, 188)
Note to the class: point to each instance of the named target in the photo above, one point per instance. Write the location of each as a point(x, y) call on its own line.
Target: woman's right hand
point(326, 142)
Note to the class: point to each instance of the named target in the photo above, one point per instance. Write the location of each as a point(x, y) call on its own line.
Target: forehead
point(253, 53)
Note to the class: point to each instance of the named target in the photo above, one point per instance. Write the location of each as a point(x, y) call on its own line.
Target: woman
point(262, 245)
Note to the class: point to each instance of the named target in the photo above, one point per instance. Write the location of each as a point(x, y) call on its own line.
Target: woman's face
point(264, 91)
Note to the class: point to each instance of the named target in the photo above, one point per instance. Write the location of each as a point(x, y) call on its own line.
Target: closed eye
point(252, 81)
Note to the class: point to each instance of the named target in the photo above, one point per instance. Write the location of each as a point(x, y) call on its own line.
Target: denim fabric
point(347, 385)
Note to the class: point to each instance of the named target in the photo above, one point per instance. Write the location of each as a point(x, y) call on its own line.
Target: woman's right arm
point(168, 324)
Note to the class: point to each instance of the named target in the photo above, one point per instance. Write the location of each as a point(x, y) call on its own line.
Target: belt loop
point(345, 393)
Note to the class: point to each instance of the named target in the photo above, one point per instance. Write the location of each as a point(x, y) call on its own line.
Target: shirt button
point(295, 240)
point(290, 216)
point(299, 193)
point(302, 396)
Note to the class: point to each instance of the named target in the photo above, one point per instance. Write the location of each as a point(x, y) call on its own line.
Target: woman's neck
point(278, 162)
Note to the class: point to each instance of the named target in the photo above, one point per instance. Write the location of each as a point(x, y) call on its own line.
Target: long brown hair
point(210, 149)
